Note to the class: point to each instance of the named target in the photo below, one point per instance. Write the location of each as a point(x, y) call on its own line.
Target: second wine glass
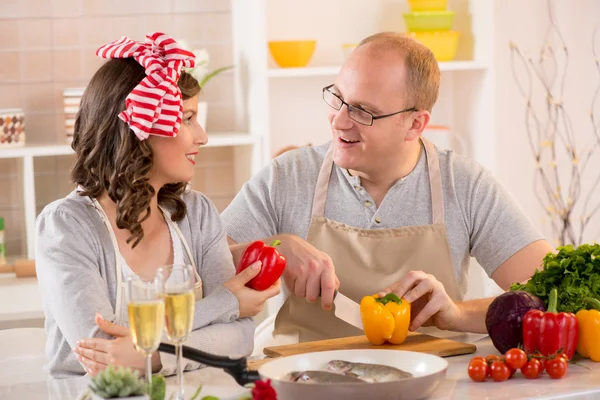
point(179, 310)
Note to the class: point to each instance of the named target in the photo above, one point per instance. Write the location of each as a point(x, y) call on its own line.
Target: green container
point(429, 21)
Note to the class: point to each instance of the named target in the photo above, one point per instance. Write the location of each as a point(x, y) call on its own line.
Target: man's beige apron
point(368, 260)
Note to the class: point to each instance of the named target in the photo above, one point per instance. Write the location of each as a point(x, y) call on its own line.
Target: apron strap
point(318, 209)
point(183, 241)
point(435, 182)
point(113, 239)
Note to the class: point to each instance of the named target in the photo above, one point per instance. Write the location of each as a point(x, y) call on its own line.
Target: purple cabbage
point(504, 318)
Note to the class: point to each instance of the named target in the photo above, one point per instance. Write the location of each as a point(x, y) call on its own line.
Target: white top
point(177, 251)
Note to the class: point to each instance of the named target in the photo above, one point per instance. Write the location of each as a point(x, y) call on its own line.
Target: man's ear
point(420, 120)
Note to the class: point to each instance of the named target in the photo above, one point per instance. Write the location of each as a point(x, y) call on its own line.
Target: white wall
point(525, 22)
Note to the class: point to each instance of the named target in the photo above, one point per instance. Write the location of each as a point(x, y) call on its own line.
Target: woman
point(136, 137)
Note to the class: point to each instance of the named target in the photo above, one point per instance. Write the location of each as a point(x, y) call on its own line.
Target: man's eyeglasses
point(356, 114)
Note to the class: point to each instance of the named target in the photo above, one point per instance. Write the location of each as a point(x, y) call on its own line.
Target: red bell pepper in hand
point(273, 264)
point(550, 332)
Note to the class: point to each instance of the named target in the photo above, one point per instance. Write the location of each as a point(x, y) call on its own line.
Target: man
point(379, 209)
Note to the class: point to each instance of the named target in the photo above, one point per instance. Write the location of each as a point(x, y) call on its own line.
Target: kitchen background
point(47, 46)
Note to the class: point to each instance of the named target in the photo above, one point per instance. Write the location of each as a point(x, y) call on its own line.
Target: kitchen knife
point(347, 310)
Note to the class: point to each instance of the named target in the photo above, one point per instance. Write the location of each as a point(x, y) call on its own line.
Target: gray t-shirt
point(482, 219)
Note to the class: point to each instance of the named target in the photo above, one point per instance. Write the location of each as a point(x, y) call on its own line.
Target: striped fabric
point(154, 107)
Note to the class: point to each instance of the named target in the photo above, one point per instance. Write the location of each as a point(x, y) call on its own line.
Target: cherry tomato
point(557, 367)
point(543, 362)
point(515, 358)
point(478, 358)
point(532, 369)
point(478, 370)
point(492, 357)
point(538, 356)
point(499, 371)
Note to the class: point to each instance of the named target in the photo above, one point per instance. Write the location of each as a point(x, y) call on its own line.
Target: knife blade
point(347, 310)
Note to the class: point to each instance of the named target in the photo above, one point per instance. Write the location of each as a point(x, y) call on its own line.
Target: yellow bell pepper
point(385, 319)
point(589, 331)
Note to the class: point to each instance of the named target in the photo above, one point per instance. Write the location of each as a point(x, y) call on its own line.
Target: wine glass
point(146, 309)
point(179, 311)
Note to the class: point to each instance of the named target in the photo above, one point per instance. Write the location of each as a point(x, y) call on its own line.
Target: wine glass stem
point(149, 372)
point(178, 351)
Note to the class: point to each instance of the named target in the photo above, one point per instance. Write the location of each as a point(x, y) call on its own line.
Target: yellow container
point(429, 21)
point(293, 53)
point(428, 5)
point(442, 44)
point(348, 48)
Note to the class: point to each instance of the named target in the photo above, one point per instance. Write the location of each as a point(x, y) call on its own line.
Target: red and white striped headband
point(154, 107)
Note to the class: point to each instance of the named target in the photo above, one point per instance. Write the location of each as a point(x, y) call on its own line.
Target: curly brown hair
point(111, 158)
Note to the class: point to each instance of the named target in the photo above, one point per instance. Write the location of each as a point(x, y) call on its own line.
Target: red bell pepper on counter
point(550, 332)
point(273, 264)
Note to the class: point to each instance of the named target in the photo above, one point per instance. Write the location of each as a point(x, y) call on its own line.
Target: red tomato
point(542, 359)
point(478, 370)
point(543, 362)
point(532, 369)
point(492, 357)
point(563, 355)
point(499, 371)
point(515, 358)
point(557, 367)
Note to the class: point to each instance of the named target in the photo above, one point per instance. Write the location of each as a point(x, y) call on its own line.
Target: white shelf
point(28, 152)
point(32, 150)
point(230, 139)
point(305, 71)
point(333, 70)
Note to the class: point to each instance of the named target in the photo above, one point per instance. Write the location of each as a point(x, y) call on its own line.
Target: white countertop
point(20, 302)
point(579, 383)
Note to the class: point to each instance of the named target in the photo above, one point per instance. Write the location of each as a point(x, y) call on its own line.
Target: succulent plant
point(117, 382)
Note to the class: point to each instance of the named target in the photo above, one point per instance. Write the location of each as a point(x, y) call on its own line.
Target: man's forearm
point(472, 317)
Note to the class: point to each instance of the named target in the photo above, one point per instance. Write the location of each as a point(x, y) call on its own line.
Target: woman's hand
point(251, 301)
point(96, 354)
point(430, 304)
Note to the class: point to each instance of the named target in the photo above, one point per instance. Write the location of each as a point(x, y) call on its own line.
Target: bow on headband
point(154, 107)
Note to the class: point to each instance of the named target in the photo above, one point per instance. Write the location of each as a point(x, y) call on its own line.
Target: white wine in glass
point(179, 310)
point(146, 319)
point(146, 309)
point(179, 315)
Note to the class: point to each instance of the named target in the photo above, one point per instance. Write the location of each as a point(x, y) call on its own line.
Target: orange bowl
point(292, 53)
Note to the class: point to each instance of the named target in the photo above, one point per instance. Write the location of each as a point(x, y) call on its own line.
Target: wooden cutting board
point(414, 342)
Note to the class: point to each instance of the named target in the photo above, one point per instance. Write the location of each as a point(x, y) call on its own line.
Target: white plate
point(428, 371)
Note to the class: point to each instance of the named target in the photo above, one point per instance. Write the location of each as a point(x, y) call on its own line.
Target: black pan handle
point(236, 367)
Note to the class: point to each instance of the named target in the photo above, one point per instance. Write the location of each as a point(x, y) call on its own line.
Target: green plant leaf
point(213, 74)
point(197, 393)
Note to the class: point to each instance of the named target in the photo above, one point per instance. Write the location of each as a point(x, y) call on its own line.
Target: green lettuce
point(575, 272)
